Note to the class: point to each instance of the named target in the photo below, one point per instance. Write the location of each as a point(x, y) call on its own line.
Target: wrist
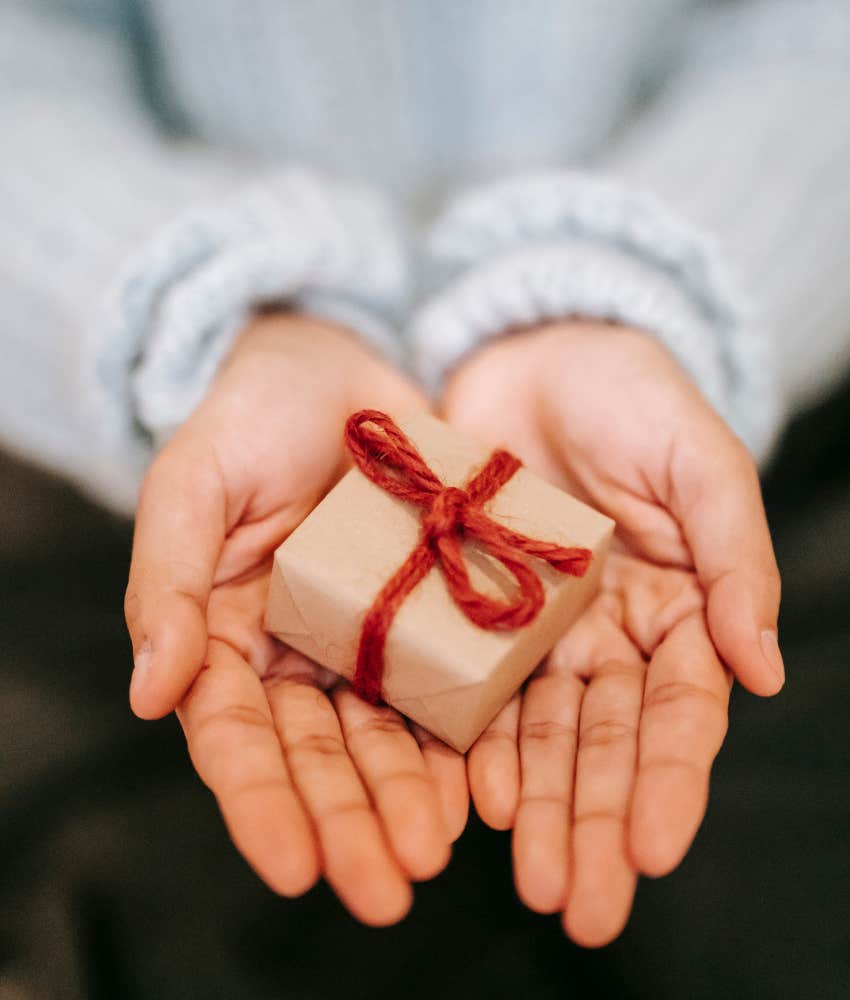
point(281, 331)
point(521, 349)
point(319, 358)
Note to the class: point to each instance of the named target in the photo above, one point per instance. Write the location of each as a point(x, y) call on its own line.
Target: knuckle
point(382, 724)
point(606, 733)
point(259, 786)
point(684, 695)
point(695, 770)
point(279, 676)
point(241, 717)
point(692, 715)
point(621, 674)
point(338, 810)
point(433, 747)
point(212, 739)
point(600, 816)
point(407, 776)
point(496, 736)
point(546, 801)
point(189, 581)
point(546, 730)
point(321, 745)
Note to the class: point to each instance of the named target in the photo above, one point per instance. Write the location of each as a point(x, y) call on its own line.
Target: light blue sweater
point(430, 172)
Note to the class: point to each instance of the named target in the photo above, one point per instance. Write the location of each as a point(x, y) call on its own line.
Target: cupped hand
point(309, 779)
point(601, 765)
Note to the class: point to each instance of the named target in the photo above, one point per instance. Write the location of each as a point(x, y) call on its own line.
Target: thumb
point(717, 499)
point(180, 529)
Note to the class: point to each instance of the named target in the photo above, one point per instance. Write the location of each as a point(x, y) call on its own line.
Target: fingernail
point(141, 667)
point(771, 653)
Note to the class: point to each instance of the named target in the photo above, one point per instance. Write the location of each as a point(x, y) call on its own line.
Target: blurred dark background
point(118, 880)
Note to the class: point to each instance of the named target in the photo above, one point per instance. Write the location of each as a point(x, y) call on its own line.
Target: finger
point(391, 767)
point(603, 876)
point(235, 750)
point(683, 724)
point(716, 497)
point(357, 860)
point(447, 768)
point(180, 528)
point(547, 744)
point(493, 769)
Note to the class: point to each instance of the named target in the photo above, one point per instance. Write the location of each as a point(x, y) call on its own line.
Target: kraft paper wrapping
point(441, 670)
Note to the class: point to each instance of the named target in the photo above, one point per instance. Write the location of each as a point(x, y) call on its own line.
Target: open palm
point(309, 780)
point(601, 765)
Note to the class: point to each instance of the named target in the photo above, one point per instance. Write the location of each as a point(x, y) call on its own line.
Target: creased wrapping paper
point(441, 670)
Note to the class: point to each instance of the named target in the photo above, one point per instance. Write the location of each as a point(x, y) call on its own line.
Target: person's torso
point(412, 94)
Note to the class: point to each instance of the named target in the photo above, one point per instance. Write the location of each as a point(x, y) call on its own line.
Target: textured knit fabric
point(668, 164)
point(547, 246)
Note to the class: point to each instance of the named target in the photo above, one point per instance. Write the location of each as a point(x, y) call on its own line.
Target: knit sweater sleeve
point(719, 223)
point(129, 261)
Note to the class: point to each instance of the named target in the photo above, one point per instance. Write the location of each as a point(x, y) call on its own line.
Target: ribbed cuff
point(555, 245)
point(297, 239)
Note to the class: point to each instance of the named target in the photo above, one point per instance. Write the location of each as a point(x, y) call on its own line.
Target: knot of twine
point(445, 515)
point(386, 456)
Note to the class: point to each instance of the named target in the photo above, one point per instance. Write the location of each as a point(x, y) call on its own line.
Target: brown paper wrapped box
point(441, 670)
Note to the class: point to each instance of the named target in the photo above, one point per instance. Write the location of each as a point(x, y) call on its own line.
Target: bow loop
point(388, 458)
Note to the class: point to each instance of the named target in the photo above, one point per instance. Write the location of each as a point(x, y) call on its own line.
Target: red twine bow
point(385, 455)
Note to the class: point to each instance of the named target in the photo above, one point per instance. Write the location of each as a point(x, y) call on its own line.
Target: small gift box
point(436, 574)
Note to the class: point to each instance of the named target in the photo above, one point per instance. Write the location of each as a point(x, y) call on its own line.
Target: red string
point(385, 455)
